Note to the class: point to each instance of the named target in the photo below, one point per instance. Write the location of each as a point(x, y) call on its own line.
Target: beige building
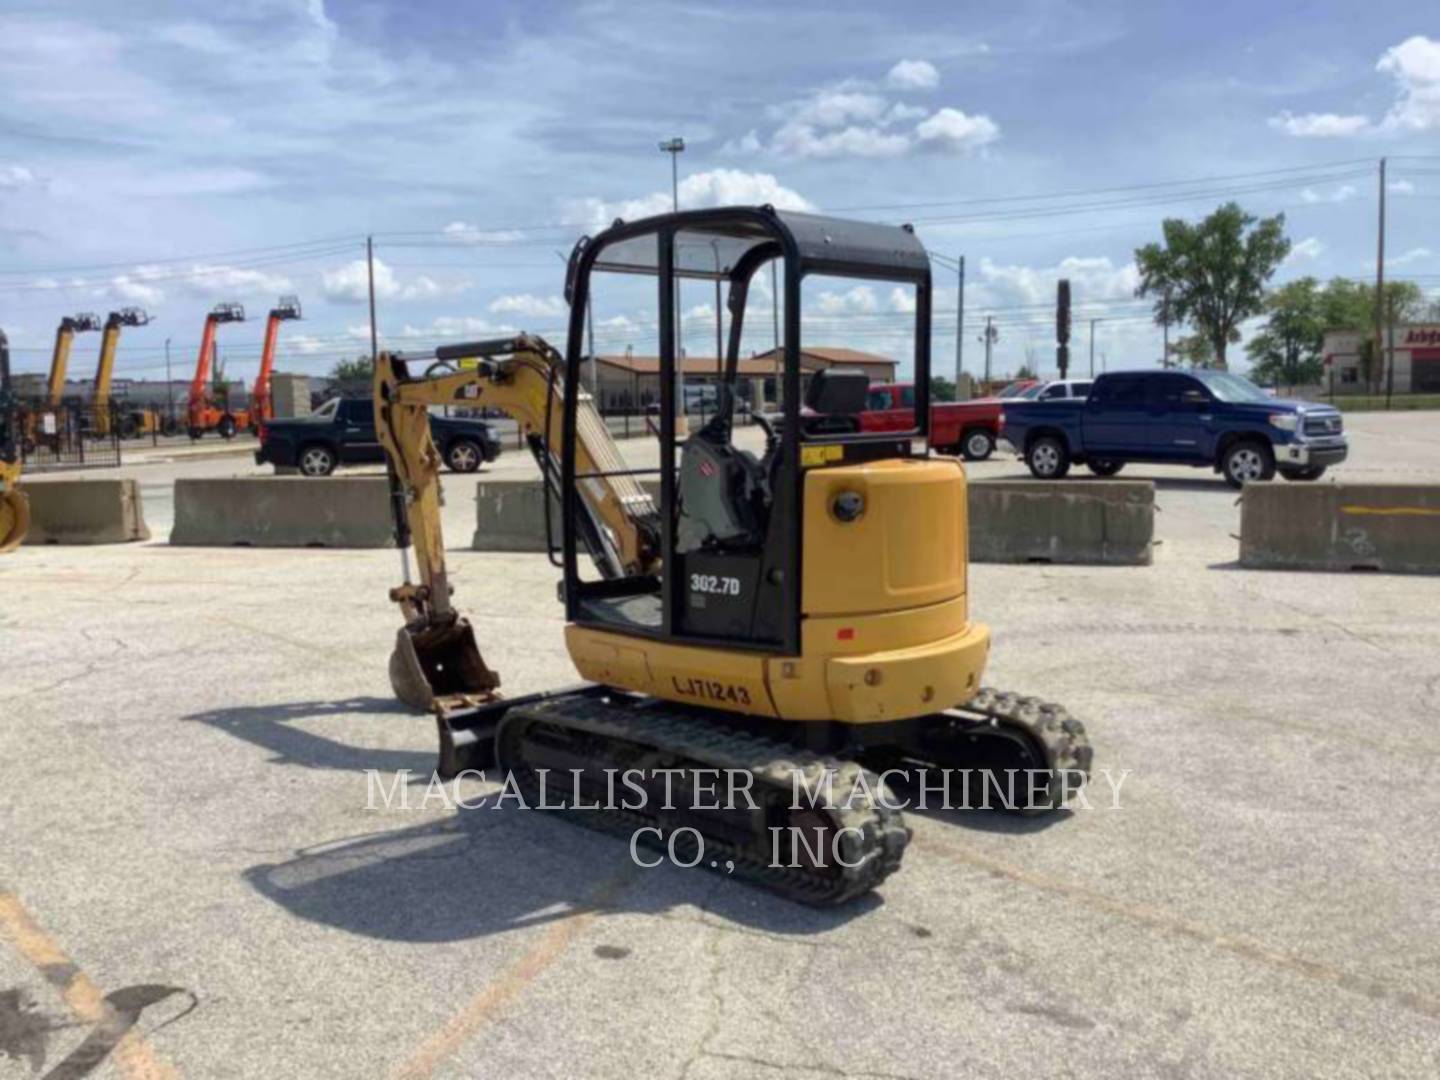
point(633, 382)
point(1417, 361)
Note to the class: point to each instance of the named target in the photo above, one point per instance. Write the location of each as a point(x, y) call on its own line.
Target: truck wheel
point(463, 455)
point(1312, 472)
point(977, 445)
point(317, 460)
point(1246, 462)
point(1047, 458)
point(1105, 468)
point(226, 427)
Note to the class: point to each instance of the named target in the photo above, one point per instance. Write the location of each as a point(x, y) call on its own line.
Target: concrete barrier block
point(1293, 526)
point(274, 511)
point(510, 516)
point(85, 512)
point(1066, 521)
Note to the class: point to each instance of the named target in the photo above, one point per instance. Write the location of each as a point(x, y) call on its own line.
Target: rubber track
point(1060, 736)
point(882, 835)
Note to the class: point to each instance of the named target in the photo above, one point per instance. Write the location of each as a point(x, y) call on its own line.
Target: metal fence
point(66, 437)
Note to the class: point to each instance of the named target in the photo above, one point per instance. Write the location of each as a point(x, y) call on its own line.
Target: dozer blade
point(14, 519)
point(439, 667)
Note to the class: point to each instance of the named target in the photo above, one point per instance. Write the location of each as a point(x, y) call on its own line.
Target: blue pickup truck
point(1212, 419)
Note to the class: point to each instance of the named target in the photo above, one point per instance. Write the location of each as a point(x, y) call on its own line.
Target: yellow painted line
point(1165, 921)
point(135, 1057)
point(1391, 511)
point(483, 1007)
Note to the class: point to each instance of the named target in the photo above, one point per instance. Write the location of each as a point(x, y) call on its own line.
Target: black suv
point(342, 432)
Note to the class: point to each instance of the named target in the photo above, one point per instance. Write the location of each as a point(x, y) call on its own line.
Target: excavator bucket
point(440, 665)
point(14, 519)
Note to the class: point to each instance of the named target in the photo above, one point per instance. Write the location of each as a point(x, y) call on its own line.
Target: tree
point(1212, 275)
point(1287, 350)
point(941, 388)
point(362, 367)
point(1192, 351)
point(1025, 373)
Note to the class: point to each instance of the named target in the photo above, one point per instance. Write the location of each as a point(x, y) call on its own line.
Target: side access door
point(1114, 419)
point(355, 420)
point(1180, 411)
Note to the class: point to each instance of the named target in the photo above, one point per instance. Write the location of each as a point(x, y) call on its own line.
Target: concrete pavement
point(185, 806)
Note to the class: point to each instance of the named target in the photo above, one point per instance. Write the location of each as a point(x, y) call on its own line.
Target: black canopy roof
point(710, 243)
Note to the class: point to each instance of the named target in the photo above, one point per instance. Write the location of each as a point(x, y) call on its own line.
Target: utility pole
point(370, 268)
point(989, 337)
point(169, 385)
point(1062, 326)
point(1375, 353)
point(959, 327)
point(1390, 351)
point(1165, 329)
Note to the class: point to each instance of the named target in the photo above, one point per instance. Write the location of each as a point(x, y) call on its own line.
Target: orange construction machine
point(65, 333)
point(262, 406)
point(203, 413)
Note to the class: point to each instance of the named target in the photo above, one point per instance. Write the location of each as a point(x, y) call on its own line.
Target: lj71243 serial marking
point(711, 690)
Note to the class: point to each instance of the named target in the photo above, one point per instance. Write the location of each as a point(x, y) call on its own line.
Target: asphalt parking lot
point(185, 829)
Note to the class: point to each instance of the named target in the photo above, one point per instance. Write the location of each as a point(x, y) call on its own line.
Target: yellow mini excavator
point(14, 508)
point(793, 621)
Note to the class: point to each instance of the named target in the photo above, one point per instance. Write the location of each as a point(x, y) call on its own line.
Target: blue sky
point(174, 155)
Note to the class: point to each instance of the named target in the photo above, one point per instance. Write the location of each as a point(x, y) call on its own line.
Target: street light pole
point(1092, 345)
point(169, 386)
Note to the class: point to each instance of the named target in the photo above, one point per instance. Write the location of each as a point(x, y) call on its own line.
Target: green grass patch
point(1376, 402)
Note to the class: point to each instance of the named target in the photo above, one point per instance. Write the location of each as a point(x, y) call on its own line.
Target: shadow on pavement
point(493, 868)
point(271, 727)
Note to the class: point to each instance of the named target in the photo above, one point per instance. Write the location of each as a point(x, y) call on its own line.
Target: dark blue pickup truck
point(1201, 418)
point(342, 432)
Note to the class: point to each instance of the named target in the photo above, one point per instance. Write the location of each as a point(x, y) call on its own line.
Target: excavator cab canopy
point(730, 518)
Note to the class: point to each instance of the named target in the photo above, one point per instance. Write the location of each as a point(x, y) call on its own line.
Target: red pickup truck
point(967, 428)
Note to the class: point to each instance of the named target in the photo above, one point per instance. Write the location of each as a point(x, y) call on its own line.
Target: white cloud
point(465, 233)
point(349, 284)
point(1091, 278)
point(1415, 66)
point(132, 291)
point(1417, 254)
point(1309, 248)
point(902, 299)
point(913, 75)
point(859, 300)
point(1319, 125)
point(1342, 193)
point(855, 119)
point(747, 144)
point(952, 129)
point(529, 306)
point(15, 177)
point(1400, 187)
point(305, 344)
point(718, 187)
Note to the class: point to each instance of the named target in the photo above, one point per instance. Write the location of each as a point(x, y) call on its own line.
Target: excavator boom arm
point(520, 377)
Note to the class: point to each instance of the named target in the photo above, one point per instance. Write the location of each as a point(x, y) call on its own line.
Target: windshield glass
point(1016, 389)
point(1229, 387)
point(327, 410)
